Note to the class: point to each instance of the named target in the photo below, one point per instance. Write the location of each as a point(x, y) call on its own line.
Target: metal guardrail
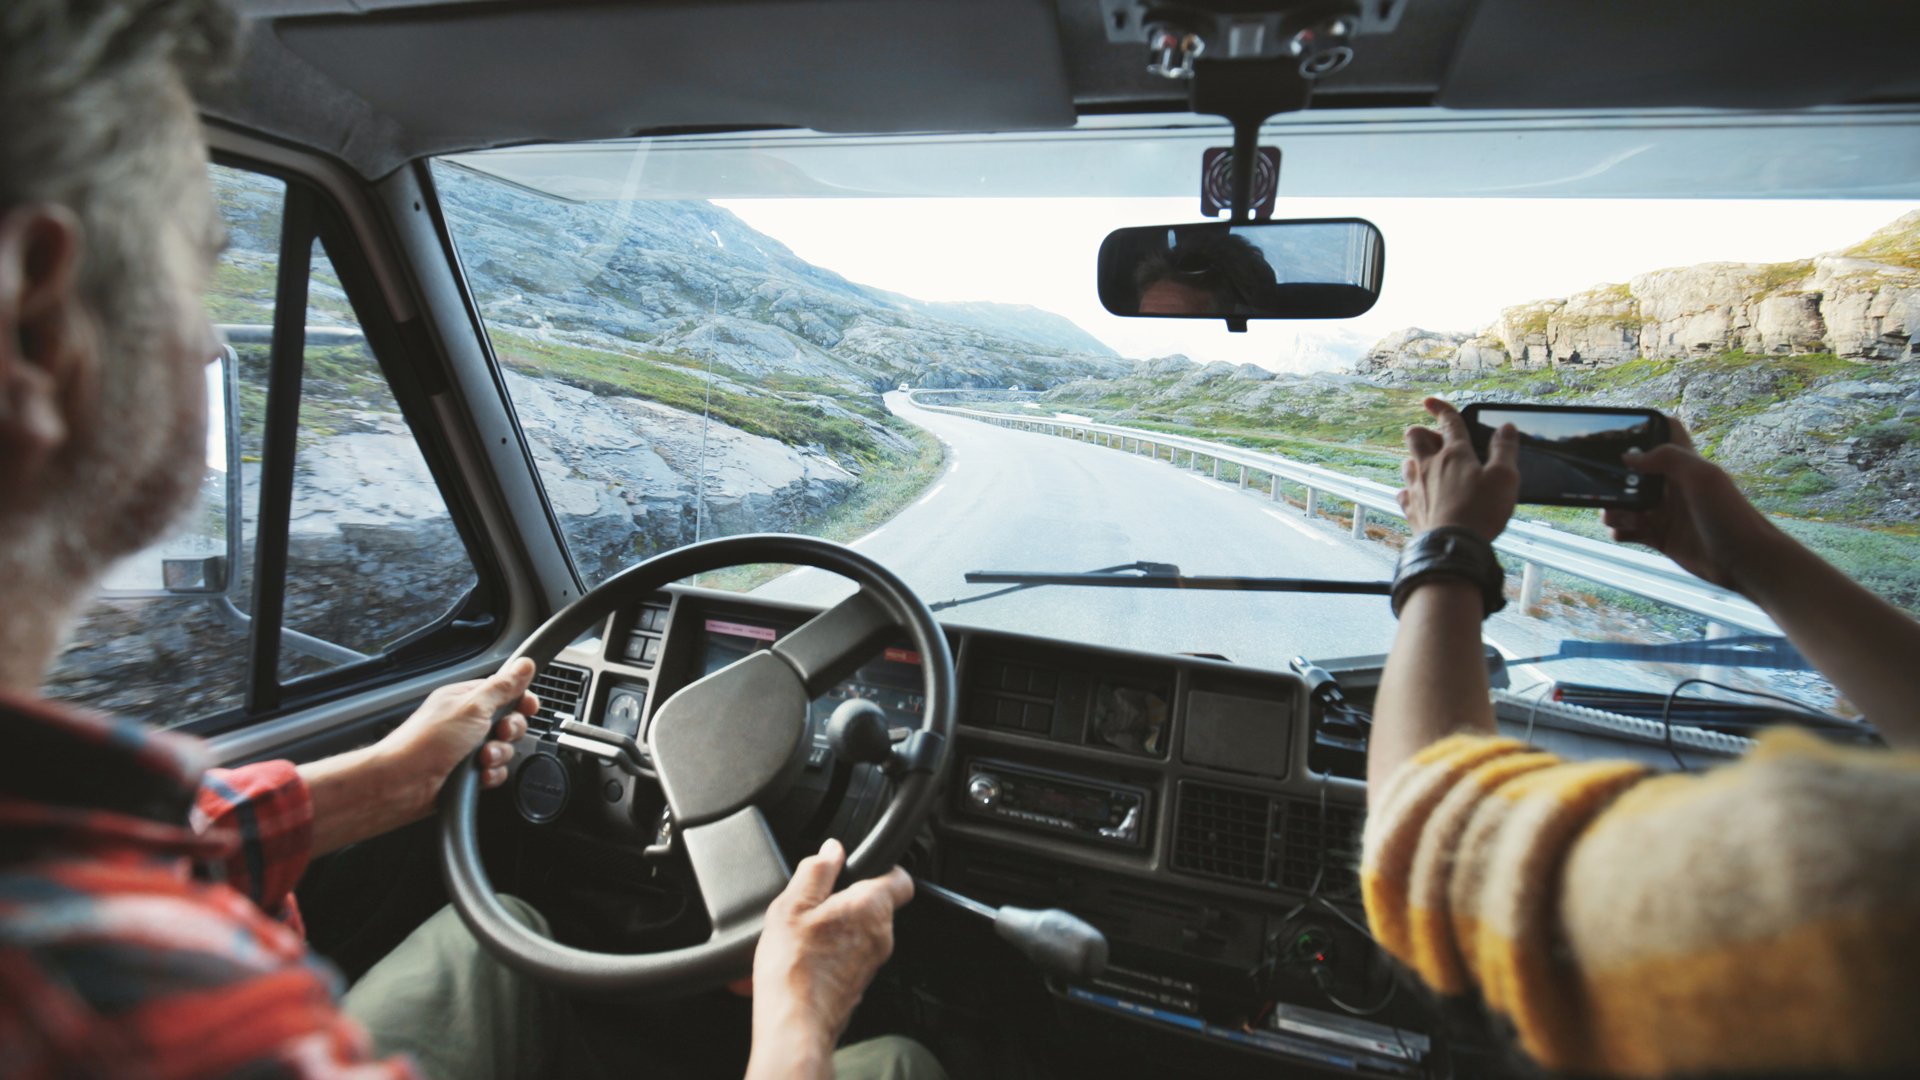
point(1537, 546)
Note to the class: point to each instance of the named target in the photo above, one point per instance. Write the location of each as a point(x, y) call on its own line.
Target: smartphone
point(1572, 455)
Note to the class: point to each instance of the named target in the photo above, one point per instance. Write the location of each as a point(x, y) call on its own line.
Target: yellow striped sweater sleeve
point(1762, 916)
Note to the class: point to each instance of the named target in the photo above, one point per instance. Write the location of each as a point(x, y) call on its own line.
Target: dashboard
point(1204, 815)
point(1171, 768)
point(1175, 802)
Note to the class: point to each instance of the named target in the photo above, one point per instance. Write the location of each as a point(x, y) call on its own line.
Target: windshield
point(861, 338)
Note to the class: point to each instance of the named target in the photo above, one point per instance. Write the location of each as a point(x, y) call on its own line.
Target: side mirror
point(199, 555)
point(1320, 268)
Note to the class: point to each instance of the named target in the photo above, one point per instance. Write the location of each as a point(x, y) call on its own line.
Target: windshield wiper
point(1157, 575)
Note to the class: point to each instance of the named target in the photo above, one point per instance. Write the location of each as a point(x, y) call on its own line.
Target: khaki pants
point(462, 1015)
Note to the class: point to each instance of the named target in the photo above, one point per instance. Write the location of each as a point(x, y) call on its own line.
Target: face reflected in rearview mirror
point(1322, 268)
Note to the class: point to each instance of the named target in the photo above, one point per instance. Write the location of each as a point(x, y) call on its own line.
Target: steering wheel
point(723, 747)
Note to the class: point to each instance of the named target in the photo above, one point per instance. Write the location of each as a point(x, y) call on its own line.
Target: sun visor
point(486, 75)
point(1735, 54)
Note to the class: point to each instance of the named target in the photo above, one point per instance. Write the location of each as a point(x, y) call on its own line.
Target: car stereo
point(1092, 811)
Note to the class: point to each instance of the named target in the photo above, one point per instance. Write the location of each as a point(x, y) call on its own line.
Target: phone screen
point(1573, 456)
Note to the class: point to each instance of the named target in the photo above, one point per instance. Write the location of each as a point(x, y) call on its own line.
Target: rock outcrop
point(1862, 303)
point(1414, 348)
point(628, 476)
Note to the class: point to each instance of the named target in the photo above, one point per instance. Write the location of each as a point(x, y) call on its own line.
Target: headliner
point(377, 83)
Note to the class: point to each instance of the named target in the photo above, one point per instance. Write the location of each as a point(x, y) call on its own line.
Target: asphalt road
point(1013, 500)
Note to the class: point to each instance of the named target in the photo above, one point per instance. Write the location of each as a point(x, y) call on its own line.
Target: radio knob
point(983, 789)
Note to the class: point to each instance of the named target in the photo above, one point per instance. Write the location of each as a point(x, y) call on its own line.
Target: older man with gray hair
point(147, 925)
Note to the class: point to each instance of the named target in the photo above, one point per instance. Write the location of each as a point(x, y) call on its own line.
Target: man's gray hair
point(90, 118)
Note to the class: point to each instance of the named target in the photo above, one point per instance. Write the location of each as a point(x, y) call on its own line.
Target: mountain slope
point(691, 280)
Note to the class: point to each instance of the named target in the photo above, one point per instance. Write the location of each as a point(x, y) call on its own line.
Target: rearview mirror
point(1321, 268)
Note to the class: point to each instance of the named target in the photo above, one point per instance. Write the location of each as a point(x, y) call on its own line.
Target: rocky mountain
point(691, 279)
point(1861, 303)
point(1020, 322)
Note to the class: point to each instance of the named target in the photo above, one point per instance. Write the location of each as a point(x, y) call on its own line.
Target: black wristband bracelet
point(1450, 552)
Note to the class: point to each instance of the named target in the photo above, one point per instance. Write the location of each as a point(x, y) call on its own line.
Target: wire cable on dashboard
point(1808, 716)
point(1533, 710)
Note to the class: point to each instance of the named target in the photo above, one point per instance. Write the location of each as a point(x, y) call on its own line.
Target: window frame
point(496, 371)
point(466, 630)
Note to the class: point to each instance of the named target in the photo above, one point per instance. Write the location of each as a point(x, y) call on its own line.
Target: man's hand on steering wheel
point(444, 730)
point(817, 954)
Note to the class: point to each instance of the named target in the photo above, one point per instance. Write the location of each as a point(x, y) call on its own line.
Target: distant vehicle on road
point(904, 388)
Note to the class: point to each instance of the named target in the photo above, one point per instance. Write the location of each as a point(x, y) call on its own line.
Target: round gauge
point(623, 712)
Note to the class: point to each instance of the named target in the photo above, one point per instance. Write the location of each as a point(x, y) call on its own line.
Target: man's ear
point(45, 344)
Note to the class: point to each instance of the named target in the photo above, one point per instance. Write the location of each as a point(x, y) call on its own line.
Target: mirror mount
point(1245, 67)
point(1246, 93)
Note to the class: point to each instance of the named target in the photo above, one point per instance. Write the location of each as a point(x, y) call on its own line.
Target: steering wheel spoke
point(833, 644)
point(738, 865)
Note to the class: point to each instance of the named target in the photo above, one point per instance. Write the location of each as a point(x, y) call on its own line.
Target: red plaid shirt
point(147, 919)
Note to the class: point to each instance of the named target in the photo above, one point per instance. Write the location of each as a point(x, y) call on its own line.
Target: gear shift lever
point(1057, 942)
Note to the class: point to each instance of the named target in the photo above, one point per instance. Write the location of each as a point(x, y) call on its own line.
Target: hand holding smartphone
point(1573, 455)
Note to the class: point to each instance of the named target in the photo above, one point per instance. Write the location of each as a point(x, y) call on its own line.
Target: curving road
point(1013, 500)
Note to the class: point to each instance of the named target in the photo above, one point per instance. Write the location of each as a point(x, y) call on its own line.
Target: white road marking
point(1300, 527)
point(953, 468)
point(928, 497)
point(861, 540)
point(1208, 480)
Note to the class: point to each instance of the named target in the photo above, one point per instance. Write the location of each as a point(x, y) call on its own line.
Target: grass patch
point(1777, 276)
point(241, 292)
point(1884, 560)
point(680, 382)
point(1534, 324)
point(1900, 247)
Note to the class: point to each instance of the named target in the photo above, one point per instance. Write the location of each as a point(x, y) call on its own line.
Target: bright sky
point(1452, 264)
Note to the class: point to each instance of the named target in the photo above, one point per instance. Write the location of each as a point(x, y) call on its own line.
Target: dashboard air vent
point(1318, 842)
point(1220, 832)
point(561, 688)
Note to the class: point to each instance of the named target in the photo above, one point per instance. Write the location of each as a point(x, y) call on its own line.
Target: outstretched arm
point(1864, 645)
point(1435, 683)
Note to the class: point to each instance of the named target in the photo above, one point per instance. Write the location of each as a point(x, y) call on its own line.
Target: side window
point(357, 561)
point(372, 553)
